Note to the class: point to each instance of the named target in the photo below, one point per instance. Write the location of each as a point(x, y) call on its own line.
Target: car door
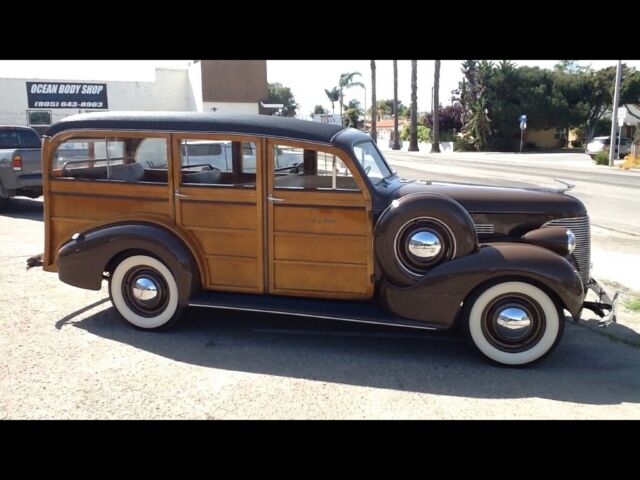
point(319, 223)
point(219, 204)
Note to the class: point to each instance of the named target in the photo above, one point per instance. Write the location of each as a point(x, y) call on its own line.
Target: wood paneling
point(325, 220)
point(233, 272)
point(234, 243)
point(321, 277)
point(320, 248)
point(219, 215)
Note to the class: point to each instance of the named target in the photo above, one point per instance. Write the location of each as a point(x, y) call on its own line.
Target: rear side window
point(18, 138)
point(29, 139)
point(112, 159)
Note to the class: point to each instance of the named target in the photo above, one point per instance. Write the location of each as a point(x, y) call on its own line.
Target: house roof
point(388, 123)
point(201, 122)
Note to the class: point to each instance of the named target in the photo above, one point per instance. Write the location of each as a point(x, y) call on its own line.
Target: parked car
point(20, 170)
point(599, 143)
point(333, 234)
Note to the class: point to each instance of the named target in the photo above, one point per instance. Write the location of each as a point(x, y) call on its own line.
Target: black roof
point(201, 122)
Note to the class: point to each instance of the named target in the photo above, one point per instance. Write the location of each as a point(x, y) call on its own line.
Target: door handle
point(271, 198)
point(181, 195)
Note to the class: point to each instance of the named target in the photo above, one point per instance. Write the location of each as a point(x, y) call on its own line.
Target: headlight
point(571, 241)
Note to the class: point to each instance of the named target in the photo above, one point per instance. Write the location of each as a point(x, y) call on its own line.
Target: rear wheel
point(144, 292)
point(515, 323)
point(4, 204)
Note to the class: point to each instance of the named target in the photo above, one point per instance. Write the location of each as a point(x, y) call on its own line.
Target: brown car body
point(257, 241)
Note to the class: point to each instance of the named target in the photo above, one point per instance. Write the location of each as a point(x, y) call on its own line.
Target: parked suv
point(600, 143)
point(308, 220)
point(20, 170)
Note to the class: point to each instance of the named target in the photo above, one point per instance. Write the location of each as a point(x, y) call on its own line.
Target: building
point(208, 85)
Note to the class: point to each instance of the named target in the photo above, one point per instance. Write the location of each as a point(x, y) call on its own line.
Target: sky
point(307, 78)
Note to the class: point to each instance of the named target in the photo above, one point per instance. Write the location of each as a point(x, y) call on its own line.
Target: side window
point(310, 169)
point(224, 163)
point(112, 159)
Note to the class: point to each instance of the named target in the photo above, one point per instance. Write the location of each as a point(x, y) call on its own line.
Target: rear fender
point(82, 262)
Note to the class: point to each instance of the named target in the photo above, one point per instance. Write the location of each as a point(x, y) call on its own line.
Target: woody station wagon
point(271, 214)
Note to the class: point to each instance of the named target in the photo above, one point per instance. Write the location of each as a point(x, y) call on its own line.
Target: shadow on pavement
point(585, 368)
point(24, 208)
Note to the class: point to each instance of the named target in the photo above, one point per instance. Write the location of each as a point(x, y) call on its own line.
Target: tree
point(385, 107)
point(319, 110)
point(396, 139)
point(450, 118)
point(347, 81)
point(413, 133)
point(334, 96)
point(277, 93)
point(374, 115)
point(352, 112)
point(435, 145)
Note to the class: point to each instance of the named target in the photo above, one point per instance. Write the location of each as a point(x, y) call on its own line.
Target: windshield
point(372, 162)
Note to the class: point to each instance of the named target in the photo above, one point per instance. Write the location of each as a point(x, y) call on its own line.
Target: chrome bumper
point(606, 307)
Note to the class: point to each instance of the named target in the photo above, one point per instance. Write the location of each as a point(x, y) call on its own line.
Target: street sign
point(622, 115)
point(523, 118)
point(523, 125)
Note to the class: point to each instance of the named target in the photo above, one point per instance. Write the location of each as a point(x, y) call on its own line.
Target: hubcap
point(513, 322)
point(425, 245)
point(144, 289)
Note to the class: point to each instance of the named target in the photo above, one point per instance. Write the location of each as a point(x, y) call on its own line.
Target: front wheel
point(144, 292)
point(515, 323)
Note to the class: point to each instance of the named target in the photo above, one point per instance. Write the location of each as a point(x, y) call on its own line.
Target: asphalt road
point(612, 198)
point(66, 354)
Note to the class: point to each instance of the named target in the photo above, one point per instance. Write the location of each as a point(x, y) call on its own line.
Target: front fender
point(439, 295)
point(82, 262)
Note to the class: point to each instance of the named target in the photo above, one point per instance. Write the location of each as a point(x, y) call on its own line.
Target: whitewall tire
point(515, 323)
point(144, 292)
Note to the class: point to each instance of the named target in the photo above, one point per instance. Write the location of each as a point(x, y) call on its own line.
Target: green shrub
point(424, 134)
point(601, 158)
point(463, 144)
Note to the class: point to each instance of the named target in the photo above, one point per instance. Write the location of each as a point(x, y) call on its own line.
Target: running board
point(343, 310)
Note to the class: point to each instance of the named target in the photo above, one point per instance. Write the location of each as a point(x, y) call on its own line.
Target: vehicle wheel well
point(460, 323)
point(118, 257)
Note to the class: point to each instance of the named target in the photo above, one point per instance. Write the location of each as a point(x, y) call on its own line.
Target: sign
point(327, 118)
point(523, 122)
point(622, 115)
point(67, 95)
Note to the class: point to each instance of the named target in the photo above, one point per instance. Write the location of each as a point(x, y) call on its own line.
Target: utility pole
point(614, 115)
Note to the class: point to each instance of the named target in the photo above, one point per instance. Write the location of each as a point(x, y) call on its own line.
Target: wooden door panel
point(225, 222)
point(319, 239)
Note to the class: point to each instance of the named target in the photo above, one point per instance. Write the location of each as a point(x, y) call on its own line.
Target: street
point(67, 355)
point(612, 198)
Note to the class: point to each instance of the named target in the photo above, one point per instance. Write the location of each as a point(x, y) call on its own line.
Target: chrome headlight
point(571, 241)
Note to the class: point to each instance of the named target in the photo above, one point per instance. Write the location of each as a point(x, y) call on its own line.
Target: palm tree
point(396, 136)
point(435, 145)
point(374, 112)
point(413, 133)
point(334, 96)
point(353, 111)
point(346, 81)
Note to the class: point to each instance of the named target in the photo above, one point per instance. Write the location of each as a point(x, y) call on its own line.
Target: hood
point(478, 199)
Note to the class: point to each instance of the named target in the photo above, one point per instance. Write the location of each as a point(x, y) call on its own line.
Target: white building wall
point(171, 91)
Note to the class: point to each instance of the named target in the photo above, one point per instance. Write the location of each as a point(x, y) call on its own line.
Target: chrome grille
point(580, 228)
point(485, 228)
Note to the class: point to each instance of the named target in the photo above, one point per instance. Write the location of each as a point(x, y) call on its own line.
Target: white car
point(599, 143)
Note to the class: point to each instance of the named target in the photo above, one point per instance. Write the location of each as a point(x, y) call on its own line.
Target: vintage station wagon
point(306, 219)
